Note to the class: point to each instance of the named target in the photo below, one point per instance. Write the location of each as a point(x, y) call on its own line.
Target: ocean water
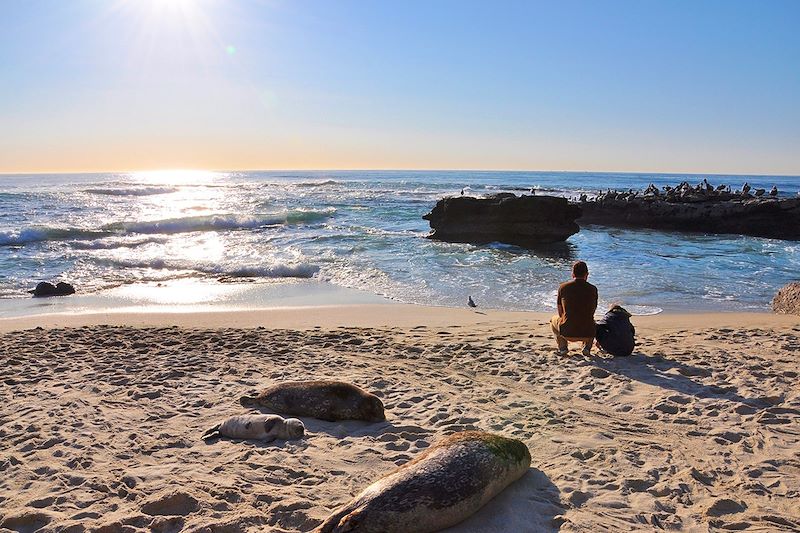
point(363, 230)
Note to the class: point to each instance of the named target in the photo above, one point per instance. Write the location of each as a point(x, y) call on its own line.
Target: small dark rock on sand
point(45, 288)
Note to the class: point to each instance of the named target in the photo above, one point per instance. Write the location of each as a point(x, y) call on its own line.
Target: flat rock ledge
point(787, 300)
point(525, 221)
point(775, 218)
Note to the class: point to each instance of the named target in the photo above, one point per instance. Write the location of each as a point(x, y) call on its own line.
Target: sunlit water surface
point(121, 235)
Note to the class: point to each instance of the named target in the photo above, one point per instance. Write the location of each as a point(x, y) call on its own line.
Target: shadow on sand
point(529, 504)
point(673, 375)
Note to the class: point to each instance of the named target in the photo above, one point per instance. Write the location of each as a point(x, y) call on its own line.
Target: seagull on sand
point(470, 302)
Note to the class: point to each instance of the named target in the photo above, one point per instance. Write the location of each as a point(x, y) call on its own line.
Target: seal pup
point(326, 400)
point(257, 427)
point(440, 488)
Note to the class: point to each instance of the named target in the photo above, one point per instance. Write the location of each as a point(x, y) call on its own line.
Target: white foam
point(643, 310)
point(275, 270)
point(110, 244)
point(45, 233)
point(135, 191)
point(220, 222)
point(316, 183)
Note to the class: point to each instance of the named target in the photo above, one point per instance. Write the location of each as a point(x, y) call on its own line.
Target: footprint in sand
point(171, 503)
point(28, 521)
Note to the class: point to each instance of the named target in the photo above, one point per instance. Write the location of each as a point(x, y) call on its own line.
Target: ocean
point(116, 233)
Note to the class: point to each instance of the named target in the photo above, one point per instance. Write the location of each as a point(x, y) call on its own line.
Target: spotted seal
point(440, 488)
point(257, 427)
point(326, 400)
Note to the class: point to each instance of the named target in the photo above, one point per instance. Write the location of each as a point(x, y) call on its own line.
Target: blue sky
point(701, 86)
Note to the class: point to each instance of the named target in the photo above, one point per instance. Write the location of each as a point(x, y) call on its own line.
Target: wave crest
point(134, 191)
point(219, 222)
point(45, 233)
point(110, 244)
point(307, 184)
point(222, 222)
point(276, 270)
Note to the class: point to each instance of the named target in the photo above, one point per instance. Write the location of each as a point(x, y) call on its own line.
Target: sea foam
point(274, 270)
point(134, 191)
point(220, 222)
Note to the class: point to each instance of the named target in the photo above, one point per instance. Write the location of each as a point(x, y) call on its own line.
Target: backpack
point(615, 334)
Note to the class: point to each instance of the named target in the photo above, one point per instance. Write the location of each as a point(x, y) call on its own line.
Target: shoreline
point(368, 316)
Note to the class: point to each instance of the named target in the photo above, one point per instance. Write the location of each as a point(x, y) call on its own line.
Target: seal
point(257, 427)
point(440, 488)
point(326, 400)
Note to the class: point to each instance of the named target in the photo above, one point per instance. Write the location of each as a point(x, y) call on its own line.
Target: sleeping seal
point(440, 488)
point(326, 400)
point(257, 427)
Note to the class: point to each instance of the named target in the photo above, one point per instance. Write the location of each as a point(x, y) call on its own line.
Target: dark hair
point(579, 269)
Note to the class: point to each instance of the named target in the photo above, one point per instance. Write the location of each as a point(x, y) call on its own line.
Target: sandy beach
point(102, 416)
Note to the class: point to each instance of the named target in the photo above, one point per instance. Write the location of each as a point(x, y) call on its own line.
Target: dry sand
point(100, 425)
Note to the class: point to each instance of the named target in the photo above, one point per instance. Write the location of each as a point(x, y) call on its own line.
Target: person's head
point(580, 270)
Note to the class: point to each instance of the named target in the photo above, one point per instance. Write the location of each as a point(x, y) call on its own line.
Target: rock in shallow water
point(524, 221)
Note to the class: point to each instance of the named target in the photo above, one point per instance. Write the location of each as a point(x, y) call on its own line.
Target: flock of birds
point(686, 192)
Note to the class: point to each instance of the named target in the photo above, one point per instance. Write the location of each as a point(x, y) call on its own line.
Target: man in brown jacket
point(576, 302)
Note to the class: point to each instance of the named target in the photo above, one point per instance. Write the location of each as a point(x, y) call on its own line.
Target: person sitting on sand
point(615, 333)
point(576, 303)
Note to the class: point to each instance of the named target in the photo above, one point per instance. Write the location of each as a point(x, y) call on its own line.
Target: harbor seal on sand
point(326, 400)
point(440, 488)
point(257, 427)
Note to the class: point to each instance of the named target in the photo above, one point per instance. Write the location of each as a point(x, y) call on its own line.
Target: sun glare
point(166, 24)
point(172, 6)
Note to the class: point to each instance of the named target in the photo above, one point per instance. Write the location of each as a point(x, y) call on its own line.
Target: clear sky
point(638, 85)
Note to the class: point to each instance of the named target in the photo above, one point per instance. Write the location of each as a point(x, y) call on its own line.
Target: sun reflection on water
point(179, 292)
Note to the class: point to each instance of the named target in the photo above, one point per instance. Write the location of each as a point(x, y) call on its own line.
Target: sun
point(168, 32)
point(174, 6)
point(175, 13)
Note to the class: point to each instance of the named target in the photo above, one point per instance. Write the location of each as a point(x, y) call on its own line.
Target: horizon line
point(177, 169)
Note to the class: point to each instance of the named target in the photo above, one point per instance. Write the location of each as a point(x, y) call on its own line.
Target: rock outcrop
point(698, 209)
point(524, 221)
point(45, 288)
point(787, 300)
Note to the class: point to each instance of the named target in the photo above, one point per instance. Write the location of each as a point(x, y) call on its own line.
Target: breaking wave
point(316, 183)
point(45, 233)
point(136, 191)
point(219, 222)
point(110, 244)
point(278, 270)
point(222, 222)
